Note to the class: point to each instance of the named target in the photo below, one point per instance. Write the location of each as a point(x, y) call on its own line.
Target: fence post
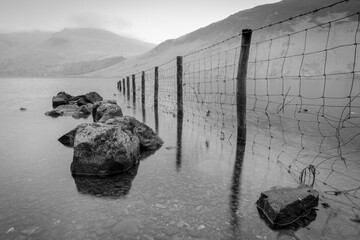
point(119, 83)
point(179, 83)
point(143, 89)
point(124, 89)
point(156, 89)
point(241, 85)
point(134, 88)
point(128, 87)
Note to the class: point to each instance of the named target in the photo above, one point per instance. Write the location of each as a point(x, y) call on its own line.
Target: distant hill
point(252, 18)
point(68, 52)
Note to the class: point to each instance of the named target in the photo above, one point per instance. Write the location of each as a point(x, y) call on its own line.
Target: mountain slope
point(252, 18)
point(42, 53)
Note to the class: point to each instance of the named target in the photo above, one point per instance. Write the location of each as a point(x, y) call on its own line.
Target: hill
point(252, 18)
point(70, 51)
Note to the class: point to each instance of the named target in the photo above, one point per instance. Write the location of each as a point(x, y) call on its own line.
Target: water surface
point(195, 187)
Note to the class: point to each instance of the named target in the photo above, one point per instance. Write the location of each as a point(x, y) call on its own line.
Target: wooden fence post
point(241, 85)
point(134, 88)
point(124, 89)
point(179, 83)
point(143, 89)
point(156, 89)
point(128, 87)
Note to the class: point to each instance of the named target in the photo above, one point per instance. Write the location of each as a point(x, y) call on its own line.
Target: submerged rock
point(54, 113)
point(102, 149)
point(284, 206)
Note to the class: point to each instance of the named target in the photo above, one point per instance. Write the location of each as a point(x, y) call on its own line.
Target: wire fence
point(302, 98)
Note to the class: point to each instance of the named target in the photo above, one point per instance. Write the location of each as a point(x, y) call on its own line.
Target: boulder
point(93, 97)
point(102, 149)
point(149, 140)
point(104, 110)
point(86, 109)
point(284, 206)
point(62, 98)
point(68, 138)
point(54, 113)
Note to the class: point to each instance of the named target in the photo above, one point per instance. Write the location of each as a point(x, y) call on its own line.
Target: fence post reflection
point(236, 181)
point(128, 87)
point(179, 129)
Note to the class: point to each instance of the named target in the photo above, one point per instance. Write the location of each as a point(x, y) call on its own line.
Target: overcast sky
point(149, 20)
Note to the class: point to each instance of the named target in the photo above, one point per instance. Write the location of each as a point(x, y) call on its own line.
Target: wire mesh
point(303, 99)
point(303, 104)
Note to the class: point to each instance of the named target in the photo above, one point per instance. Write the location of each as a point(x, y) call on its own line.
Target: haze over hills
point(68, 52)
point(251, 18)
point(95, 52)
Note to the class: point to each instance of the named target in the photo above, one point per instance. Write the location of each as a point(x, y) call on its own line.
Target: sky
point(149, 20)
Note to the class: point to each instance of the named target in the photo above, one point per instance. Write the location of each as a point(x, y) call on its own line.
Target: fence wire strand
point(303, 99)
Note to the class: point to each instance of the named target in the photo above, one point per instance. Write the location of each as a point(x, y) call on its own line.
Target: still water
point(195, 187)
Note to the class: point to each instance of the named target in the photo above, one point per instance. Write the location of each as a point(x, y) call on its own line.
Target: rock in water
point(54, 113)
point(62, 98)
point(149, 140)
point(284, 206)
point(93, 97)
point(101, 149)
point(104, 110)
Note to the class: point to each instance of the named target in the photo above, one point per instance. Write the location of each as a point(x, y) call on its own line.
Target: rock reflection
point(113, 186)
point(290, 229)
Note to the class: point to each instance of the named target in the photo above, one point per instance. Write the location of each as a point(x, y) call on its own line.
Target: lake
point(196, 186)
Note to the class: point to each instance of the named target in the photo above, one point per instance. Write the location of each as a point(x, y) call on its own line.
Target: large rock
point(149, 140)
point(62, 98)
point(105, 110)
point(283, 206)
point(102, 149)
point(93, 97)
point(68, 138)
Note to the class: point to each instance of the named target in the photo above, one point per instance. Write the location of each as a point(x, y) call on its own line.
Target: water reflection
point(143, 111)
point(179, 128)
point(156, 112)
point(236, 183)
point(114, 186)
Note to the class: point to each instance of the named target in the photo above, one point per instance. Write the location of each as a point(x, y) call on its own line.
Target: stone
point(93, 97)
point(103, 111)
point(68, 138)
point(54, 113)
point(149, 140)
point(62, 98)
point(102, 149)
point(68, 109)
point(108, 111)
point(283, 206)
point(86, 109)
